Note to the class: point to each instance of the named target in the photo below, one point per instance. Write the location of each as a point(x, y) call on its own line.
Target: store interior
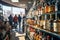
point(29, 19)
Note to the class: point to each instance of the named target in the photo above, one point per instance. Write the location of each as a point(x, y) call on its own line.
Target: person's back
point(15, 18)
point(19, 18)
point(10, 18)
point(15, 21)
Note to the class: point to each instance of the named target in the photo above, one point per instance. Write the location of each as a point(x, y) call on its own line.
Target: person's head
point(18, 15)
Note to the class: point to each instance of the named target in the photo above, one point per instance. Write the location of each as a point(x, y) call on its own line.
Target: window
point(15, 0)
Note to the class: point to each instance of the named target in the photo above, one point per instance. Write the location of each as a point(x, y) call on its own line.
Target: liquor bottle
point(46, 9)
point(45, 22)
point(48, 37)
point(52, 8)
point(51, 25)
point(56, 26)
point(41, 34)
point(34, 37)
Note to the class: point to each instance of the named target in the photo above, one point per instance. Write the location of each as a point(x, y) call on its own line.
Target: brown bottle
point(51, 25)
point(56, 26)
point(48, 37)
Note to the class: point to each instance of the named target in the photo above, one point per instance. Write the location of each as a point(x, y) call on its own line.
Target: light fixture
point(15, 0)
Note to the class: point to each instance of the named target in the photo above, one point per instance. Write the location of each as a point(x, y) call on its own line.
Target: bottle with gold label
point(56, 26)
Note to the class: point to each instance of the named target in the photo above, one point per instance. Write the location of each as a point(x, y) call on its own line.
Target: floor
point(17, 36)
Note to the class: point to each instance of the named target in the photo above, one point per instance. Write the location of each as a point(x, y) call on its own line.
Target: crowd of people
point(8, 25)
point(13, 21)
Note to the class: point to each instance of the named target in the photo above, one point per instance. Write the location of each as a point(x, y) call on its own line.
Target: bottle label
point(55, 27)
point(44, 24)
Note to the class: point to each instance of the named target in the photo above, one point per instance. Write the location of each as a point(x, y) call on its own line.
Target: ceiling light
point(15, 0)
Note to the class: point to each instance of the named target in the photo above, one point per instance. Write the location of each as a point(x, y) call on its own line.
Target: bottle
point(51, 25)
point(34, 37)
point(46, 8)
point(57, 26)
point(40, 35)
point(48, 37)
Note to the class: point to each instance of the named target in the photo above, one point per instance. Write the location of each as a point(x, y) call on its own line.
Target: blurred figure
point(19, 19)
point(15, 19)
point(10, 20)
point(5, 18)
point(1, 17)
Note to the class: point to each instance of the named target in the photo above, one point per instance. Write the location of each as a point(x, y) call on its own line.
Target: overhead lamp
point(15, 0)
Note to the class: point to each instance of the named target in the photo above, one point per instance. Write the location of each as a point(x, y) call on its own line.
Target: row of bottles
point(50, 25)
point(41, 36)
point(47, 9)
point(36, 34)
point(46, 22)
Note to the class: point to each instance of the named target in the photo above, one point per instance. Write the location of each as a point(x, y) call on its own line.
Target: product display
point(45, 22)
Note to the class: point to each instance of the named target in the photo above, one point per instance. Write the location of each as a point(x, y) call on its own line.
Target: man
point(15, 21)
point(10, 20)
point(19, 19)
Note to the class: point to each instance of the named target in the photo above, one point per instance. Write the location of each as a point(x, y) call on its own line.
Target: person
point(15, 21)
point(10, 20)
point(1, 35)
point(1, 17)
point(19, 19)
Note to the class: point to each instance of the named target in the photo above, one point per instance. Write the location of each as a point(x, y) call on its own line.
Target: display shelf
point(47, 32)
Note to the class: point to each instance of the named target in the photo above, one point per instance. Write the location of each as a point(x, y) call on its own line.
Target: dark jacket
point(10, 18)
point(19, 18)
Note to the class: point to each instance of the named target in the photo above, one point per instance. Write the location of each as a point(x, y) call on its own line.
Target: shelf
point(47, 32)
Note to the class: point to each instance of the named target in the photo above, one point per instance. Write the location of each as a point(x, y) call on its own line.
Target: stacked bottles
point(37, 36)
point(30, 21)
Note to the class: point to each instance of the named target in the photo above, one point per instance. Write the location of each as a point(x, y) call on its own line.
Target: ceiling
point(21, 3)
